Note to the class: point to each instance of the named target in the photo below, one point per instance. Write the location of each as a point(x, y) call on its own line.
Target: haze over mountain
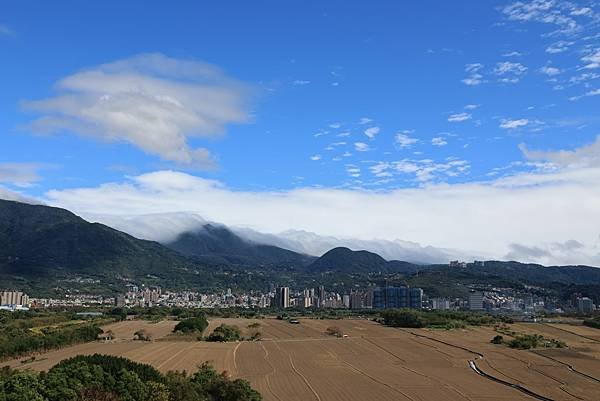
point(166, 227)
point(45, 248)
point(220, 245)
point(41, 242)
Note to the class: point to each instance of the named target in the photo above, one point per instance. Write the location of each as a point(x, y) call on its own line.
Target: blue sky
point(271, 97)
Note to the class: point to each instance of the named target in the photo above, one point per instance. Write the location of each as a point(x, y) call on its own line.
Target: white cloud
point(353, 171)
point(458, 117)
point(150, 101)
point(361, 147)
point(372, 132)
point(594, 92)
point(300, 82)
point(585, 156)
point(581, 11)
point(315, 157)
point(314, 244)
point(19, 174)
point(512, 54)
point(550, 71)
point(438, 141)
point(405, 141)
point(511, 206)
point(7, 194)
point(559, 47)
point(543, 11)
point(512, 124)
point(474, 77)
point(424, 171)
point(471, 106)
point(381, 169)
point(583, 77)
point(335, 125)
point(509, 72)
point(364, 120)
point(592, 59)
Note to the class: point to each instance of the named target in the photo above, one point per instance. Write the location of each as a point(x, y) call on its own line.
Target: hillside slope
point(46, 243)
point(220, 245)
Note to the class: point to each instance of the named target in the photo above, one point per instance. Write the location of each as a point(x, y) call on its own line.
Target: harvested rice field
point(370, 362)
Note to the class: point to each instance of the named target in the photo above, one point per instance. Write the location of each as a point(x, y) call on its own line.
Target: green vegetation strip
point(109, 378)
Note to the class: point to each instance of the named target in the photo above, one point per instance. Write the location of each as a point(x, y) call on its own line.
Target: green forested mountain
point(220, 245)
point(346, 260)
point(45, 249)
point(47, 244)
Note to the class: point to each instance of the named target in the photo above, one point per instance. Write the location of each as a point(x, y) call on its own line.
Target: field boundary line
point(234, 356)
point(270, 374)
point(300, 374)
point(571, 332)
point(473, 366)
point(369, 376)
point(172, 357)
point(570, 367)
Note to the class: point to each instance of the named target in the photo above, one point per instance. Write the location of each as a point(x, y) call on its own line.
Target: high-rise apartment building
point(476, 300)
point(397, 297)
point(13, 298)
point(282, 297)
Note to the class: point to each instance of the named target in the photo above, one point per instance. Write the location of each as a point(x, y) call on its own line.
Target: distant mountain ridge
point(343, 259)
point(220, 245)
point(42, 246)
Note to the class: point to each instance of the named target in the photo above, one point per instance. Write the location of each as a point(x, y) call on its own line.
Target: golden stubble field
point(301, 362)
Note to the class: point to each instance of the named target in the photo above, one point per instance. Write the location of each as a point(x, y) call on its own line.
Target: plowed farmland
point(372, 362)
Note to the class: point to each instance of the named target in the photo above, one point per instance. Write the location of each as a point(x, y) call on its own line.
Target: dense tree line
point(414, 318)
point(16, 341)
point(110, 378)
point(595, 322)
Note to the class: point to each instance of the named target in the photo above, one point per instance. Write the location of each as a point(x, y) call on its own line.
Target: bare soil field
point(126, 329)
point(302, 362)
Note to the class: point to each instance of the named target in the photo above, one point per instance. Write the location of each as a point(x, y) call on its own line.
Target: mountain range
point(43, 247)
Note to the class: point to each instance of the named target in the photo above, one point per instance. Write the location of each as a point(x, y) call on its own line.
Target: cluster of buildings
point(507, 301)
point(488, 299)
point(139, 296)
point(14, 300)
point(373, 298)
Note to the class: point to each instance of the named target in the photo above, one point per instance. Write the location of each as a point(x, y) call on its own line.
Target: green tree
point(497, 339)
point(225, 333)
point(192, 324)
point(22, 386)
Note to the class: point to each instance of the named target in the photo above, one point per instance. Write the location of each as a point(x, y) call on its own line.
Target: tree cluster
point(192, 325)
point(414, 318)
point(110, 378)
point(225, 333)
point(18, 341)
point(528, 341)
point(595, 323)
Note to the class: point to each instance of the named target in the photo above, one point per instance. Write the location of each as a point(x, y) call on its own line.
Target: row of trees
point(110, 378)
point(529, 341)
point(414, 318)
point(594, 322)
point(16, 341)
point(222, 333)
